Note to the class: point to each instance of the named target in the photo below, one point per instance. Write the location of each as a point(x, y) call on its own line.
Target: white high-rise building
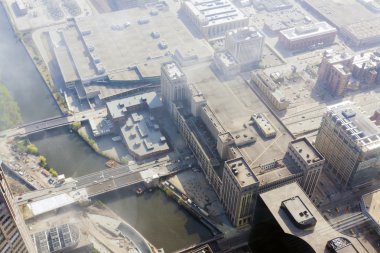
point(350, 143)
point(245, 44)
point(173, 84)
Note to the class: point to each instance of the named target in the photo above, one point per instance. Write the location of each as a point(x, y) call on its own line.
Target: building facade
point(315, 35)
point(14, 236)
point(335, 72)
point(173, 84)
point(350, 143)
point(245, 44)
point(239, 192)
point(270, 90)
point(309, 160)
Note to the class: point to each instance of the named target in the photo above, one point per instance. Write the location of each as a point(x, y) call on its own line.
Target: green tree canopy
point(9, 110)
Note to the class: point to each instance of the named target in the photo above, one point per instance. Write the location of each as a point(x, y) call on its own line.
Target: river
point(158, 218)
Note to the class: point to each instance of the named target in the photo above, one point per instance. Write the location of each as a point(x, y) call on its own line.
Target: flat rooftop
point(142, 135)
point(306, 150)
point(242, 171)
point(214, 12)
point(322, 232)
point(372, 204)
point(226, 58)
point(336, 13)
point(119, 107)
point(108, 92)
point(272, 5)
point(264, 124)
point(357, 125)
point(173, 70)
point(64, 59)
point(119, 41)
point(244, 34)
point(283, 169)
point(308, 31)
point(365, 29)
point(59, 238)
point(233, 103)
point(77, 49)
point(298, 211)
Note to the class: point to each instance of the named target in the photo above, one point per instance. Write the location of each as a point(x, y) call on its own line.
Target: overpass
point(107, 180)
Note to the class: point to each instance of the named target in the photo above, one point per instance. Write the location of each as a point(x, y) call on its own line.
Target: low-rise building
point(264, 125)
point(118, 110)
point(134, 118)
point(272, 5)
point(363, 33)
point(142, 136)
point(62, 238)
point(308, 36)
point(335, 72)
point(226, 63)
point(270, 89)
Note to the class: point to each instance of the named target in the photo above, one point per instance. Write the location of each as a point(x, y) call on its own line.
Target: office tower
point(350, 143)
point(239, 191)
point(309, 160)
point(173, 84)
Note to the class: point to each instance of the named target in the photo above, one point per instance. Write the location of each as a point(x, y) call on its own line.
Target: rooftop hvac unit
point(86, 32)
point(100, 69)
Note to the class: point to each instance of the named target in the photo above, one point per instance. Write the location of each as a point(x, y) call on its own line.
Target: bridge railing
point(41, 121)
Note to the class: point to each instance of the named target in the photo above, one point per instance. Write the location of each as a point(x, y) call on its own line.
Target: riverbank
point(26, 39)
point(9, 111)
point(84, 134)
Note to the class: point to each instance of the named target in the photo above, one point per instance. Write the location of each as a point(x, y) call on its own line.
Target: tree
point(43, 162)
point(32, 149)
point(9, 111)
point(76, 125)
point(53, 172)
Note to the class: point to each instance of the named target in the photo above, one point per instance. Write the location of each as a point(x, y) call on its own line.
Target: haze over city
point(190, 126)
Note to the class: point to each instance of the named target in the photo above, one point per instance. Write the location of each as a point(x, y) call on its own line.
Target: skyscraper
point(350, 143)
point(13, 234)
point(239, 191)
point(309, 160)
point(173, 84)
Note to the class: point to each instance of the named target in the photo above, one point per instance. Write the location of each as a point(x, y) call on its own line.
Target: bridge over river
point(107, 180)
